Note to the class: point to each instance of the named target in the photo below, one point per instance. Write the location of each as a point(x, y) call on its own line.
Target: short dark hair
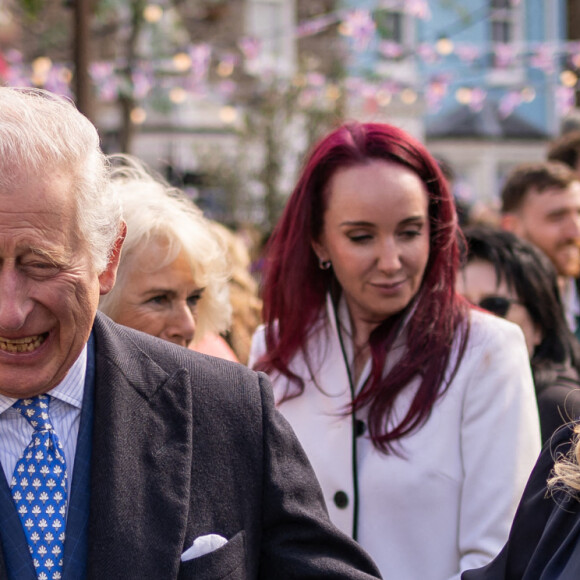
point(538, 176)
point(566, 149)
point(527, 271)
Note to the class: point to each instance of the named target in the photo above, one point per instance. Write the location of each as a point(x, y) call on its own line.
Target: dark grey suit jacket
point(186, 445)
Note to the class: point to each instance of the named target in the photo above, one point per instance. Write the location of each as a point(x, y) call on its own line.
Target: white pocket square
point(203, 545)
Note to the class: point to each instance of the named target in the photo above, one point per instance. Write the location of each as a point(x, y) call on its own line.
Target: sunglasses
point(498, 305)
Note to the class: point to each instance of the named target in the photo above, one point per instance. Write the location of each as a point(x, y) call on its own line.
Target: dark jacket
point(544, 541)
point(558, 394)
point(186, 445)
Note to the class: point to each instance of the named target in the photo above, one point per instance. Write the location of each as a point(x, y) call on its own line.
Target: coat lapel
point(75, 547)
point(141, 462)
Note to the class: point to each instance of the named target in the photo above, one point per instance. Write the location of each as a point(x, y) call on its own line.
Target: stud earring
point(324, 264)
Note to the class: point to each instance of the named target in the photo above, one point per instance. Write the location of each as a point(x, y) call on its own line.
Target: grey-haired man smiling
point(125, 456)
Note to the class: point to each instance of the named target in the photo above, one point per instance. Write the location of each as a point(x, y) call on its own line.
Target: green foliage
point(32, 8)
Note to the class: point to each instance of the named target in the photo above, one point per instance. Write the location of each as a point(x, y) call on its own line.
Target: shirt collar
point(571, 301)
point(69, 390)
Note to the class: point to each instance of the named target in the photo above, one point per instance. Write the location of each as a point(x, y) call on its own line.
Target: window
point(506, 34)
point(389, 25)
point(271, 22)
point(396, 35)
point(502, 20)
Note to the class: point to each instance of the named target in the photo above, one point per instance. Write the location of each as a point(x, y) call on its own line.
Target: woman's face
point(161, 302)
point(376, 234)
point(479, 284)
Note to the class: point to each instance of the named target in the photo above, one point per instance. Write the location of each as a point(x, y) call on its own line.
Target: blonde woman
point(173, 273)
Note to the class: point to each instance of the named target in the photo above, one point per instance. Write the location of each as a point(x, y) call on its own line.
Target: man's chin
point(568, 265)
point(570, 272)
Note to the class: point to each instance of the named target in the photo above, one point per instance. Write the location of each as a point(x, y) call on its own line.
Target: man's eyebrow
point(53, 256)
point(561, 211)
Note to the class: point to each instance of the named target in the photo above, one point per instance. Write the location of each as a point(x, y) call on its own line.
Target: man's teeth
point(27, 344)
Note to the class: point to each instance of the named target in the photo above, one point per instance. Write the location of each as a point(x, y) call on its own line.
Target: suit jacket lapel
point(75, 547)
point(141, 462)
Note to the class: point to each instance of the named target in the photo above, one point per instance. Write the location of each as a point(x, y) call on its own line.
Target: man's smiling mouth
point(26, 344)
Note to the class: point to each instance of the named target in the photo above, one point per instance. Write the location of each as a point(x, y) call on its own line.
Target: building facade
point(489, 80)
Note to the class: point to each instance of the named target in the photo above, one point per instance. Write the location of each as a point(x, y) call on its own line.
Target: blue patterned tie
point(39, 490)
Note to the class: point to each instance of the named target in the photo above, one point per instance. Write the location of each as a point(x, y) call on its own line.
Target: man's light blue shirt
point(65, 413)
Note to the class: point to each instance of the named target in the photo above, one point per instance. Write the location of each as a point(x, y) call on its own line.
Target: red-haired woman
point(418, 414)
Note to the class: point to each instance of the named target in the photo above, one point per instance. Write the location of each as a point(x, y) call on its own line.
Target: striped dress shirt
point(65, 413)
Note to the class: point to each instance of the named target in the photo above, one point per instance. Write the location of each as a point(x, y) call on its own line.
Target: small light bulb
point(182, 61)
point(152, 13)
point(138, 115)
point(444, 46)
point(228, 115)
point(408, 96)
point(568, 78)
point(463, 95)
point(177, 95)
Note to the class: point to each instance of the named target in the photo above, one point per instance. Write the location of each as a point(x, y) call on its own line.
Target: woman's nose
point(388, 258)
point(181, 327)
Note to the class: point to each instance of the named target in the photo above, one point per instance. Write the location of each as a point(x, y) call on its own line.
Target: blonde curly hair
point(566, 470)
point(157, 213)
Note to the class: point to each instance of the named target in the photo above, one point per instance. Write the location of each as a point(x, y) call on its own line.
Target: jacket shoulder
point(137, 356)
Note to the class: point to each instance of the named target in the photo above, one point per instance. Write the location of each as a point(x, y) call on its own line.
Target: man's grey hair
point(42, 133)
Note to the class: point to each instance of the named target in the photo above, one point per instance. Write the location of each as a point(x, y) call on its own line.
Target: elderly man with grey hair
point(123, 455)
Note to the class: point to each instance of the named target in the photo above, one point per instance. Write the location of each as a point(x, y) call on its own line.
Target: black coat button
point(340, 499)
point(359, 427)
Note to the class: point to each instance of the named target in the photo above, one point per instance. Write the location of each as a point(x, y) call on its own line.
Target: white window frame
point(403, 69)
point(514, 16)
point(278, 45)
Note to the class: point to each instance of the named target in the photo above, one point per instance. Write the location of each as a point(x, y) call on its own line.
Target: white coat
point(448, 503)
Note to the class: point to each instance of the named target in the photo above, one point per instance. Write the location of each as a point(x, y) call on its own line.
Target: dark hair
point(528, 272)
point(539, 176)
point(566, 149)
point(295, 288)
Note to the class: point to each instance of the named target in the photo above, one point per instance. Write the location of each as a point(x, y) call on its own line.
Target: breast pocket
point(225, 563)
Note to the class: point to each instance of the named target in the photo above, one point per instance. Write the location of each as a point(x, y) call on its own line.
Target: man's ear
point(109, 275)
point(511, 223)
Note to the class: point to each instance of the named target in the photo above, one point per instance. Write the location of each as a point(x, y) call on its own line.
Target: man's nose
point(15, 304)
point(572, 230)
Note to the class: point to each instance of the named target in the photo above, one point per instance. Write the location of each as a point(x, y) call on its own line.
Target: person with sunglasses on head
point(509, 277)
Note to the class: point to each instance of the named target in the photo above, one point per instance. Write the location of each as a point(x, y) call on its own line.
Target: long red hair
point(295, 288)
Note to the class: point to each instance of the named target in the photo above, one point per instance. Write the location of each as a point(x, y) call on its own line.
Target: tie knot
point(35, 411)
